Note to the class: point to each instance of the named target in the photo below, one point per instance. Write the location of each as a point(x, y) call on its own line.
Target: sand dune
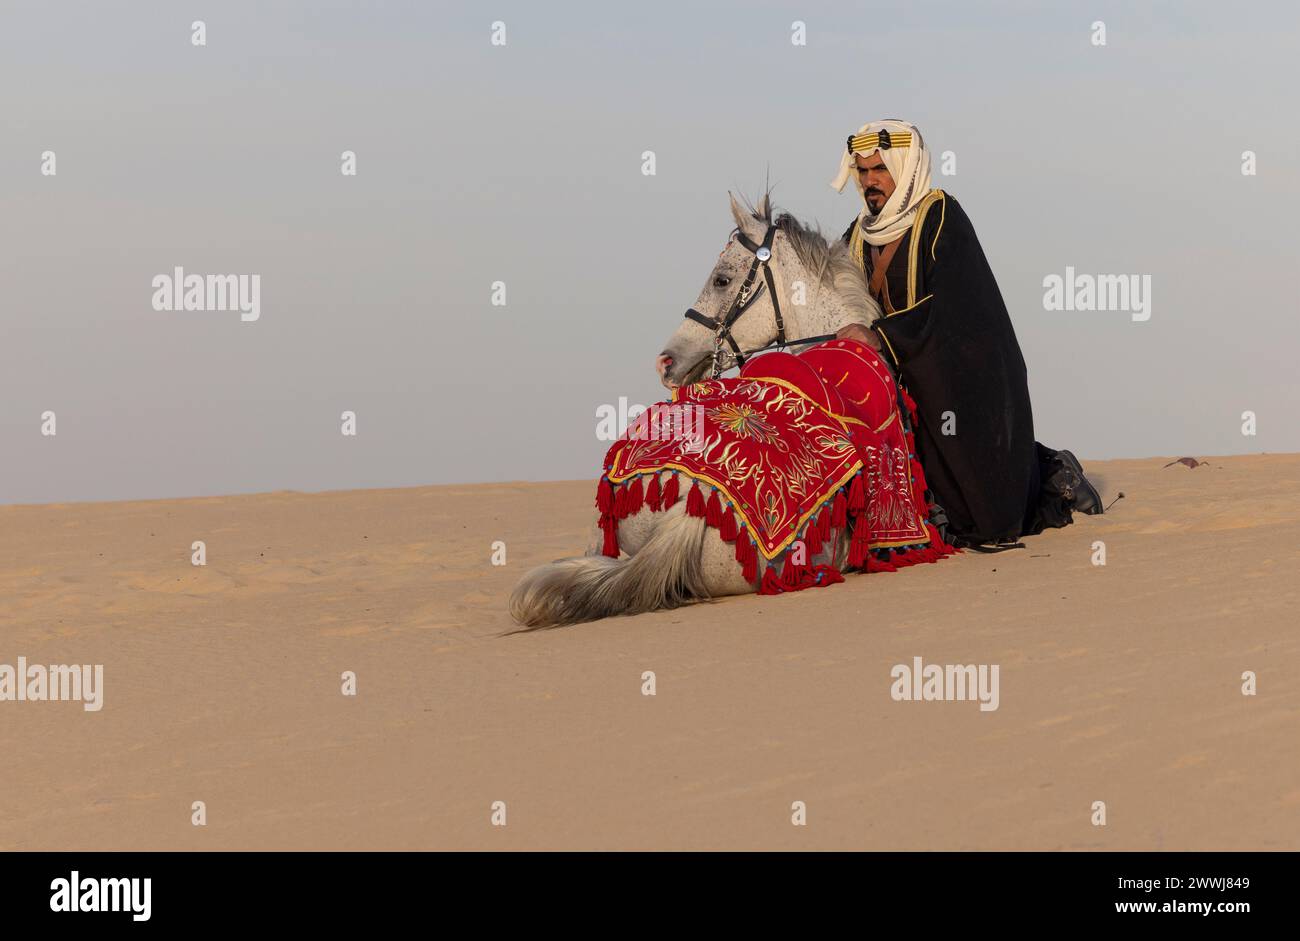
point(1119, 683)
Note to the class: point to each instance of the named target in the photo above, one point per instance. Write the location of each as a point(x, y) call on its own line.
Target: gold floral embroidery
point(744, 421)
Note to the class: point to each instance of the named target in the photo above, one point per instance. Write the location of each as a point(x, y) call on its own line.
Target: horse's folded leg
point(596, 542)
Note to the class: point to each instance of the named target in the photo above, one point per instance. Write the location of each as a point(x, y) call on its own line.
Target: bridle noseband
point(721, 327)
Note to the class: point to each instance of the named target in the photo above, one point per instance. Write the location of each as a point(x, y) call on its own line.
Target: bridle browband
point(721, 327)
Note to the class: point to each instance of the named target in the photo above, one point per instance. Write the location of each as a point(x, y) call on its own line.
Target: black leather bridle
point(744, 300)
point(721, 327)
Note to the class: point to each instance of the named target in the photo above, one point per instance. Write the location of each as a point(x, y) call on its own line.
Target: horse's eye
point(721, 281)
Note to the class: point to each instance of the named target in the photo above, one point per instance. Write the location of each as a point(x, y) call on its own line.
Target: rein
point(772, 346)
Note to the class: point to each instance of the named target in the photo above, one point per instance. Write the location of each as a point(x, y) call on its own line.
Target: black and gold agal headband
point(882, 140)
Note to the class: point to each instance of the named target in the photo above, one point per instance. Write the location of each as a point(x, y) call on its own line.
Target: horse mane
point(829, 261)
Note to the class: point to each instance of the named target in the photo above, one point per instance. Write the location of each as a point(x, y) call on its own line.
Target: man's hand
point(855, 331)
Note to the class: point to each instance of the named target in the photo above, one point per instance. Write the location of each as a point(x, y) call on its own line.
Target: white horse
point(673, 558)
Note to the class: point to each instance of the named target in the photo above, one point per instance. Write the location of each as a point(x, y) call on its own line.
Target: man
point(948, 334)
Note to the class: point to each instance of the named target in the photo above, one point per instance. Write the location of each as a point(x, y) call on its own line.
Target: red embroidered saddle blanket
point(792, 448)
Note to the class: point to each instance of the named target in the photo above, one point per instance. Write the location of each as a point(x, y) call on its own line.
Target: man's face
point(877, 184)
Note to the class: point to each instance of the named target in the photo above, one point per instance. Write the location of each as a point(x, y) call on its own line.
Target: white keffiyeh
point(908, 165)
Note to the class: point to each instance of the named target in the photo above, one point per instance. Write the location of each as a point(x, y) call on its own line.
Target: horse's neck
point(825, 313)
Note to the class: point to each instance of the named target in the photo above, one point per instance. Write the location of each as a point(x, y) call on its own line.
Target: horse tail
point(664, 573)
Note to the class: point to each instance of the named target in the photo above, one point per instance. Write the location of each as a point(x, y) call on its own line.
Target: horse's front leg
point(596, 543)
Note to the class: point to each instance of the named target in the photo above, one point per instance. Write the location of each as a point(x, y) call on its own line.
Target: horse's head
point(730, 294)
point(761, 291)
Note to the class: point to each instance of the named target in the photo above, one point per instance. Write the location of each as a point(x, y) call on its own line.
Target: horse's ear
point(737, 211)
point(752, 228)
point(765, 207)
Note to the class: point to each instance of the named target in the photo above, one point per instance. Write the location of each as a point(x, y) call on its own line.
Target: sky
point(522, 163)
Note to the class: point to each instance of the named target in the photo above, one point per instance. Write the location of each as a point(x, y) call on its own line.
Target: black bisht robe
point(956, 351)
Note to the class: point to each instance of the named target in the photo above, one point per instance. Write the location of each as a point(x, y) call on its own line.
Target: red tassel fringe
point(839, 510)
point(695, 501)
point(937, 544)
point(812, 538)
point(746, 555)
point(713, 511)
point(727, 530)
point(875, 565)
point(670, 494)
point(652, 494)
point(610, 525)
point(816, 576)
point(918, 475)
point(615, 503)
point(857, 495)
point(859, 546)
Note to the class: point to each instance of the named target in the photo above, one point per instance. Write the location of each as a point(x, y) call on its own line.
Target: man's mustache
point(872, 191)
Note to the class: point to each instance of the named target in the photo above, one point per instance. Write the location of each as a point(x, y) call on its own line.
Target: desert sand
point(1119, 683)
